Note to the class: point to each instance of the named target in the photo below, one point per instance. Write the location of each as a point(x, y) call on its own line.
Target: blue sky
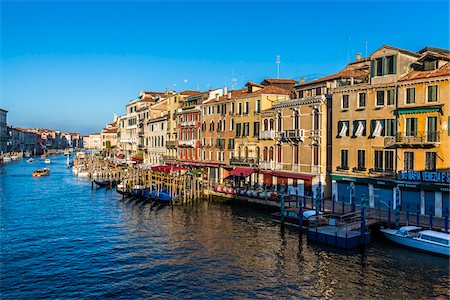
point(71, 65)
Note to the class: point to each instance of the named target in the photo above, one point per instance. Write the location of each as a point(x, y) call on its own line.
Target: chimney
point(225, 90)
point(302, 80)
point(358, 56)
point(217, 97)
point(229, 95)
point(167, 91)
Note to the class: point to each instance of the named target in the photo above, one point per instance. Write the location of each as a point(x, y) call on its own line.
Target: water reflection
point(61, 240)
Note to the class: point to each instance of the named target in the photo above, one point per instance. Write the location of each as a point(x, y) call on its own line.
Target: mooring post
point(343, 205)
point(397, 207)
point(446, 220)
point(417, 215)
point(282, 204)
point(407, 213)
point(300, 212)
point(431, 217)
point(332, 203)
point(363, 220)
point(389, 214)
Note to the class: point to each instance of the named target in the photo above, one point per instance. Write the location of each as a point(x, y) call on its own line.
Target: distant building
point(3, 131)
point(93, 141)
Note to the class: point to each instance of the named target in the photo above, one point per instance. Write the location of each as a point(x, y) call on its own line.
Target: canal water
point(61, 240)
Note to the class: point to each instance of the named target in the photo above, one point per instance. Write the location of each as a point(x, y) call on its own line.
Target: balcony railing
point(169, 158)
point(413, 139)
point(244, 161)
point(188, 143)
point(267, 135)
point(171, 144)
point(295, 135)
point(267, 165)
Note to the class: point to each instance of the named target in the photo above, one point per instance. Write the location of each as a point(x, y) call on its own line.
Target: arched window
point(266, 125)
point(204, 126)
point(239, 152)
point(257, 153)
point(224, 127)
point(296, 119)
point(272, 124)
point(199, 134)
point(246, 152)
point(271, 154)
point(211, 126)
point(232, 125)
point(265, 154)
point(219, 126)
point(279, 153)
point(280, 121)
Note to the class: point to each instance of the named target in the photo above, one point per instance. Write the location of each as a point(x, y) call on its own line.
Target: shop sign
point(428, 176)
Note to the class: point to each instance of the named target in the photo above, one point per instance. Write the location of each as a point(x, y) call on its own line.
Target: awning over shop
point(291, 175)
point(120, 155)
point(167, 169)
point(243, 172)
point(418, 110)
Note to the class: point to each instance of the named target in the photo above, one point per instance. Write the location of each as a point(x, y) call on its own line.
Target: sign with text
point(428, 176)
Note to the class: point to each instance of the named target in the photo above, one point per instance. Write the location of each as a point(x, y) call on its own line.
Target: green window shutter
point(415, 126)
point(384, 71)
point(372, 68)
point(394, 61)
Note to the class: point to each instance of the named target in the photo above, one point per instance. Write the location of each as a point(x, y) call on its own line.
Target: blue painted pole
point(332, 203)
point(363, 221)
point(446, 220)
point(431, 217)
point(407, 213)
point(282, 204)
point(318, 192)
point(418, 215)
point(389, 214)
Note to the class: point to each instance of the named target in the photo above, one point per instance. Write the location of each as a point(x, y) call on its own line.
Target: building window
point(345, 102)
point(295, 152)
point(272, 124)
point(390, 65)
point(410, 95)
point(430, 161)
point(361, 100)
point(344, 159)
point(318, 91)
point(279, 151)
point(411, 127)
point(378, 161)
point(343, 128)
point(256, 129)
point(389, 161)
point(429, 65)
point(300, 94)
point(432, 93)
point(296, 120)
point(258, 106)
point(271, 154)
point(211, 126)
point(238, 129)
point(316, 155)
point(379, 66)
point(232, 125)
point(316, 120)
point(232, 108)
point(380, 98)
point(391, 97)
point(280, 121)
point(432, 132)
point(230, 144)
point(246, 129)
point(361, 160)
point(246, 108)
point(239, 109)
point(359, 128)
point(408, 161)
point(390, 127)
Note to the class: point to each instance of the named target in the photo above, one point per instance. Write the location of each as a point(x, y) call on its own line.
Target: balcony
point(171, 144)
point(188, 143)
point(422, 139)
point(294, 135)
point(169, 158)
point(266, 165)
point(242, 161)
point(267, 135)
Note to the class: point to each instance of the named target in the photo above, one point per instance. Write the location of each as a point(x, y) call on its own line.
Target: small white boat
point(30, 160)
point(416, 238)
point(15, 157)
point(47, 160)
point(7, 159)
point(83, 174)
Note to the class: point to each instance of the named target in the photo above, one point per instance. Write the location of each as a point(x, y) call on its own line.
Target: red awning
point(243, 172)
point(291, 175)
point(120, 155)
point(167, 169)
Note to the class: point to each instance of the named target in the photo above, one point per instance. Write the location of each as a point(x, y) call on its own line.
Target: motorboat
point(16, 157)
point(425, 240)
point(47, 160)
point(30, 160)
point(7, 159)
point(41, 172)
point(83, 174)
point(291, 216)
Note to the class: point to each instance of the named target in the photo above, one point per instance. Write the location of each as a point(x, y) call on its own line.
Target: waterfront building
point(246, 119)
point(3, 131)
point(109, 137)
point(173, 103)
point(155, 132)
point(189, 127)
point(390, 133)
point(93, 141)
point(131, 125)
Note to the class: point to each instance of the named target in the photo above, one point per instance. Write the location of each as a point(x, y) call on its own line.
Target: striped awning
point(418, 110)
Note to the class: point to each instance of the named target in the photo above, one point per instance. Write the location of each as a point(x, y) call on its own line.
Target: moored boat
point(41, 172)
point(83, 173)
point(47, 160)
point(30, 160)
point(7, 159)
point(425, 240)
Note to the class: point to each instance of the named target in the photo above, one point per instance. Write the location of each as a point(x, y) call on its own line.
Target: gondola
point(106, 183)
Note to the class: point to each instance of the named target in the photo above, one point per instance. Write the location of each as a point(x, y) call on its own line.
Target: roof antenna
point(278, 62)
